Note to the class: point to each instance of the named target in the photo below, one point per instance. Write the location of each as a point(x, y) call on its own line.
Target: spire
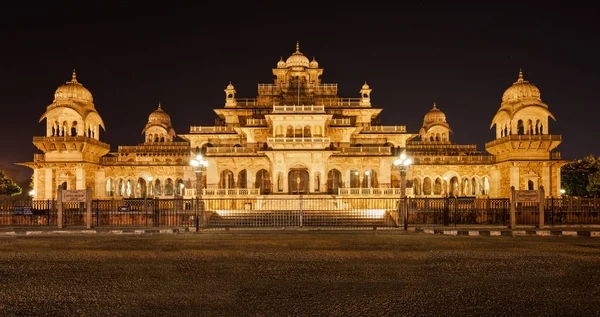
point(520, 80)
point(297, 46)
point(434, 105)
point(73, 78)
point(159, 105)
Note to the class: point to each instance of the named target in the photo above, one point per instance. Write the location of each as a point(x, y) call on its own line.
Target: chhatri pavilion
point(297, 136)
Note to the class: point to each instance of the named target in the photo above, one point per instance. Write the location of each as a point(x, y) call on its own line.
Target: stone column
point(79, 178)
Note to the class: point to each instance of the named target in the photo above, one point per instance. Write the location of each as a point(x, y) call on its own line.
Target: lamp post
point(403, 162)
point(198, 164)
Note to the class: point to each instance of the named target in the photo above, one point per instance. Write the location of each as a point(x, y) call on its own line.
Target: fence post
point(542, 203)
point(59, 208)
point(513, 212)
point(446, 210)
point(300, 211)
point(88, 205)
point(197, 216)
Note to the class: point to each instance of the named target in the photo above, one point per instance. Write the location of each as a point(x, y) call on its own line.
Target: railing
point(438, 145)
point(70, 139)
point(211, 129)
point(228, 191)
point(298, 139)
point(370, 191)
point(386, 150)
point(380, 128)
point(525, 137)
point(256, 122)
point(338, 102)
point(229, 149)
point(462, 159)
point(255, 210)
point(340, 122)
point(156, 147)
point(299, 108)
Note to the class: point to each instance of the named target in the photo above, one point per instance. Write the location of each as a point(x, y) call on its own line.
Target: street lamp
point(402, 163)
point(198, 164)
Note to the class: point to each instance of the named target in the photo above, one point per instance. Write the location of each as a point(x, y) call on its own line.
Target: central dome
point(73, 90)
point(521, 89)
point(159, 116)
point(297, 59)
point(435, 115)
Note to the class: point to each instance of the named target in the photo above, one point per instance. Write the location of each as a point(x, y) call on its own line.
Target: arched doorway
point(263, 181)
point(140, 188)
point(298, 181)
point(334, 181)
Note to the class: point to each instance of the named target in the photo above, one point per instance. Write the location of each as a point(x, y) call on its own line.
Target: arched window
point(437, 188)
point(110, 187)
point(279, 131)
point(530, 185)
point(427, 186)
point(226, 180)
point(354, 179)
point(307, 131)
point(289, 132)
point(157, 188)
point(169, 187)
point(74, 128)
point(485, 184)
point(520, 127)
point(179, 187)
point(128, 188)
point(121, 188)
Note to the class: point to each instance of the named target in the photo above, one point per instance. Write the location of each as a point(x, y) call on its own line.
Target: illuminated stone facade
point(297, 136)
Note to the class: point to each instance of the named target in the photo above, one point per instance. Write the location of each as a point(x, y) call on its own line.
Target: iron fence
point(271, 211)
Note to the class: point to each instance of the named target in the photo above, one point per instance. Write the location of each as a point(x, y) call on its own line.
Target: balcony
point(231, 150)
point(298, 142)
point(344, 122)
point(211, 129)
point(385, 129)
point(299, 109)
point(373, 191)
point(364, 150)
point(250, 122)
point(191, 192)
point(525, 137)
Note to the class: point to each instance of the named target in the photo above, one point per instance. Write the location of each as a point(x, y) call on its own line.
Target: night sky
point(412, 54)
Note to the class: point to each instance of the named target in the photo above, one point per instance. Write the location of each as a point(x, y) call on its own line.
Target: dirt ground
point(298, 274)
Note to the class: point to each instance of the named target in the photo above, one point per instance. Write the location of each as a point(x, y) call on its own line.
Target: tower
point(523, 148)
point(71, 148)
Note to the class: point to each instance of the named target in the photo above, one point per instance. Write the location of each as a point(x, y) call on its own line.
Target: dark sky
point(461, 56)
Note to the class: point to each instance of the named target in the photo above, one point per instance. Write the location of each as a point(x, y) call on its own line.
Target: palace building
point(297, 136)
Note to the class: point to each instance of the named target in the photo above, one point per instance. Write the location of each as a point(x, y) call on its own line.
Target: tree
point(581, 177)
point(8, 186)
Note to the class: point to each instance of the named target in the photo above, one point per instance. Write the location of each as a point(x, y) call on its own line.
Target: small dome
point(281, 63)
point(297, 59)
point(313, 63)
point(521, 89)
point(73, 90)
point(365, 86)
point(159, 116)
point(230, 86)
point(434, 115)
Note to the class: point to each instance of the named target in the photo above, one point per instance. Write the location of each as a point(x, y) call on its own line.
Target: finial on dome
point(520, 80)
point(297, 46)
point(159, 105)
point(73, 77)
point(434, 105)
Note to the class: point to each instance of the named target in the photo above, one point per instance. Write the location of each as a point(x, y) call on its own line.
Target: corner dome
point(434, 115)
point(297, 59)
point(73, 90)
point(313, 63)
point(521, 89)
point(281, 63)
point(159, 116)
